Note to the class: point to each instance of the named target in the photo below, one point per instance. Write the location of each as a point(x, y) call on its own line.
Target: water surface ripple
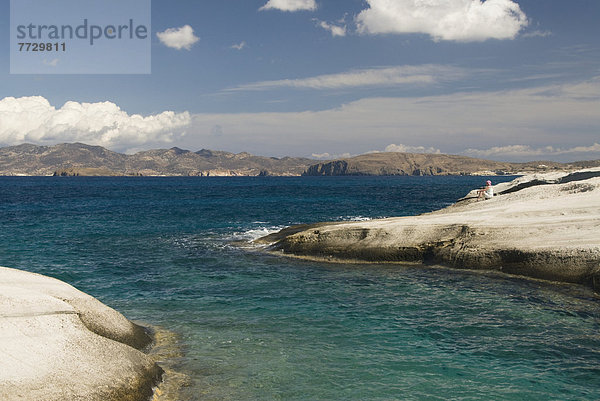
point(253, 326)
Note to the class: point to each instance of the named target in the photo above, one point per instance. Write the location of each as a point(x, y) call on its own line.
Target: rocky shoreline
point(543, 226)
point(58, 343)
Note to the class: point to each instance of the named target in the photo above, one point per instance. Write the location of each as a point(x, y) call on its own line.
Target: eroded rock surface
point(543, 226)
point(58, 343)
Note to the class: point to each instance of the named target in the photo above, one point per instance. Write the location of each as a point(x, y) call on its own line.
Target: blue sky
point(500, 79)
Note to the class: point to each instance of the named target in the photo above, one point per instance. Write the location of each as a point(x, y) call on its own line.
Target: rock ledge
point(58, 343)
point(542, 226)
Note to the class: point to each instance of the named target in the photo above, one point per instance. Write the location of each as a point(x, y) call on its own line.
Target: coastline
point(541, 226)
point(59, 343)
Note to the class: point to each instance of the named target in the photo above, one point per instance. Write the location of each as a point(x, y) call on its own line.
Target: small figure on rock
point(487, 192)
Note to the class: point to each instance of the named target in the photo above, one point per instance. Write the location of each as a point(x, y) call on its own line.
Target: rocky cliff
point(429, 164)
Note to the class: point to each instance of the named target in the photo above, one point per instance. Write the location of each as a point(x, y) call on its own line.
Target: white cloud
point(557, 122)
point(290, 5)
point(537, 34)
point(335, 30)
point(562, 116)
point(178, 38)
point(34, 120)
point(457, 20)
point(387, 76)
point(411, 149)
point(238, 46)
point(521, 151)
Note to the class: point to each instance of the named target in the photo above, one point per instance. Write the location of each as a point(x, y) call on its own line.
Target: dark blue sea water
point(252, 326)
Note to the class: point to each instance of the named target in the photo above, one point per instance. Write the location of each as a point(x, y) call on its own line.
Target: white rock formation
point(58, 343)
point(544, 226)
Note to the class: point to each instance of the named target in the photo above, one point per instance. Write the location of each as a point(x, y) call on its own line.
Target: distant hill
point(81, 159)
point(71, 159)
point(431, 164)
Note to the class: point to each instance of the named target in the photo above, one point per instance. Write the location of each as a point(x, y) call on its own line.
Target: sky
point(513, 80)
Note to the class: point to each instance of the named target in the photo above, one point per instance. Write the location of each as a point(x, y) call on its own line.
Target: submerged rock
point(543, 226)
point(58, 343)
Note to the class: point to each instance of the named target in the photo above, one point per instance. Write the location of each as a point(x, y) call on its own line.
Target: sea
point(236, 323)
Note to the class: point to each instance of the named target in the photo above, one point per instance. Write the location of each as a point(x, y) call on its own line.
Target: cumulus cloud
point(290, 5)
point(238, 46)
point(386, 76)
point(34, 120)
point(456, 20)
point(521, 151)
point(178, 38)
point(335, 30)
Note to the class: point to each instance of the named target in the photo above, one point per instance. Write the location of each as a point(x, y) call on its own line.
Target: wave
point(255, 233)
point(353, 218)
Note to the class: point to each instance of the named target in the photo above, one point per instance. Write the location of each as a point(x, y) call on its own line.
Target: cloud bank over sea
point(34, 120)
point(512, 125)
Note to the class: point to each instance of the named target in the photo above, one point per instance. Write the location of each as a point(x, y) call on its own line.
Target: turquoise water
point(258, 327)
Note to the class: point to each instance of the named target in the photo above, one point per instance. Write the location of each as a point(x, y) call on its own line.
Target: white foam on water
point(353, 218)
point(255, 233)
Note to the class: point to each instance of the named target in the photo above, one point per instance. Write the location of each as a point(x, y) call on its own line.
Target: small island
point(543, 226)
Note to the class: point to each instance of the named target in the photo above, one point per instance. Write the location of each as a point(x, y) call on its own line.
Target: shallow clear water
point(258, 327)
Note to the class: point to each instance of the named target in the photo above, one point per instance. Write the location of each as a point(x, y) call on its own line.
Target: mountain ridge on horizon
point(92, 160)
point(82, 159)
